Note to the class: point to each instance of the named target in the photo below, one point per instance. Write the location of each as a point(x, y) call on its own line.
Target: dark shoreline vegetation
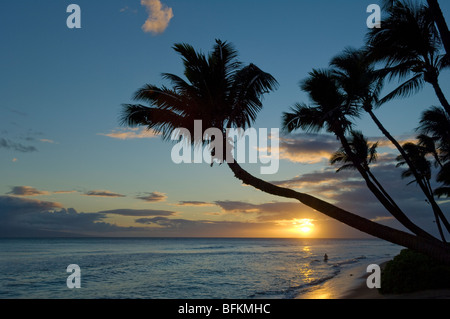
point(411, 272)
point(410, 49)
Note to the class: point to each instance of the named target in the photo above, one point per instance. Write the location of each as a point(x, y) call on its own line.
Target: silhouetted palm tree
point(364, 153)
point(220, 92)
point(441, 24)
point(418, 155)
point(409, 43)
point(331, 108)
point(357, 75)
point(215, 78)
point(435, 129)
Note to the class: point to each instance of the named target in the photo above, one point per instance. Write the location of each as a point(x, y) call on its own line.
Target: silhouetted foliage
point(411, 271)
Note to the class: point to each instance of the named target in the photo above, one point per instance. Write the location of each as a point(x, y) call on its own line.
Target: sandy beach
point(351, 284)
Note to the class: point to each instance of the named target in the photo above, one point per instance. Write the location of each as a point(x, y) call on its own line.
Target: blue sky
point(62, 90)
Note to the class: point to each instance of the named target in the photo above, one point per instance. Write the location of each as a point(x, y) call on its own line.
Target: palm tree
point(364, 153)
point(417, 154)
point(357, 75)
point(238, 99)
point(440, 23)
point(438, 18)
point(435, 129)
point(220, 92)
point(409, 43)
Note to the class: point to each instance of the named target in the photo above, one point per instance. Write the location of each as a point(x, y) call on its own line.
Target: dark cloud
point(26, 191)
point(138, 212)
point(10, 204)
point(308, 148)
point(21, 217)
point(153, 197)
point(103, 193)
point(4, 143)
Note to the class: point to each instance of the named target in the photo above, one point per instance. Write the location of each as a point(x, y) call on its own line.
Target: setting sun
point(304, 226)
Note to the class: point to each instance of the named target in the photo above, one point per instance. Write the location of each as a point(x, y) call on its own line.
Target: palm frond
point(406, 89)
point(161, 121)
point(249, 85)
point(442, 192)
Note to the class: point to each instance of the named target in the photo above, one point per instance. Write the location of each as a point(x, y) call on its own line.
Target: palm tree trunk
point(387, 202)
point(436, 216)
point(429, 195)
point(431, 248)
point(440, 23)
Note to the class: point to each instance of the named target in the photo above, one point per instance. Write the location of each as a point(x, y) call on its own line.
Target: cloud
point(31, 191)
point(401, 139)
point(46, 140)
point(11, 204)
point(4, 143)
point(103, 193)
point(153, 197)
point(131, 133)
point(26, 217)
point(272, 211)
point(23, 217)
point(64, 192)
point(138, 212)
point(308, 148)
point(26, 191)
point(194, 203)
point(159, 16)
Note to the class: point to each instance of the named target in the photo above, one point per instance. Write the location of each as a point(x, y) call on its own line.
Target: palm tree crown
point(329, 110)
point(409, 44)
point(218, 90)
point(364, 153)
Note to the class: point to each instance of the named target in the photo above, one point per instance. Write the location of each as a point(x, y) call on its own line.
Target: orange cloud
point(131, 133)
point(159, 16)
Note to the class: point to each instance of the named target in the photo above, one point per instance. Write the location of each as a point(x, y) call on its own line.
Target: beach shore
point(351, 284)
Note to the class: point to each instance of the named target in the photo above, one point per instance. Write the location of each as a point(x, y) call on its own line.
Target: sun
point(304, 226)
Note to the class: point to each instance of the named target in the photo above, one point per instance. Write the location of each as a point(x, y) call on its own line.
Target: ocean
point(180, 268)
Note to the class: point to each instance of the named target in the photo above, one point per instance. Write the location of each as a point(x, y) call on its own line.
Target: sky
point(67, 166)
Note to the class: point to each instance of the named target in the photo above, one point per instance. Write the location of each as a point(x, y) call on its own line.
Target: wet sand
point(351, 284)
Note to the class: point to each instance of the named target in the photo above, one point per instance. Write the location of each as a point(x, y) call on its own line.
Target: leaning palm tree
point(357, 75)
point(365, 153)
point(409, 45)
point(418, 154)
point(237, 90)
